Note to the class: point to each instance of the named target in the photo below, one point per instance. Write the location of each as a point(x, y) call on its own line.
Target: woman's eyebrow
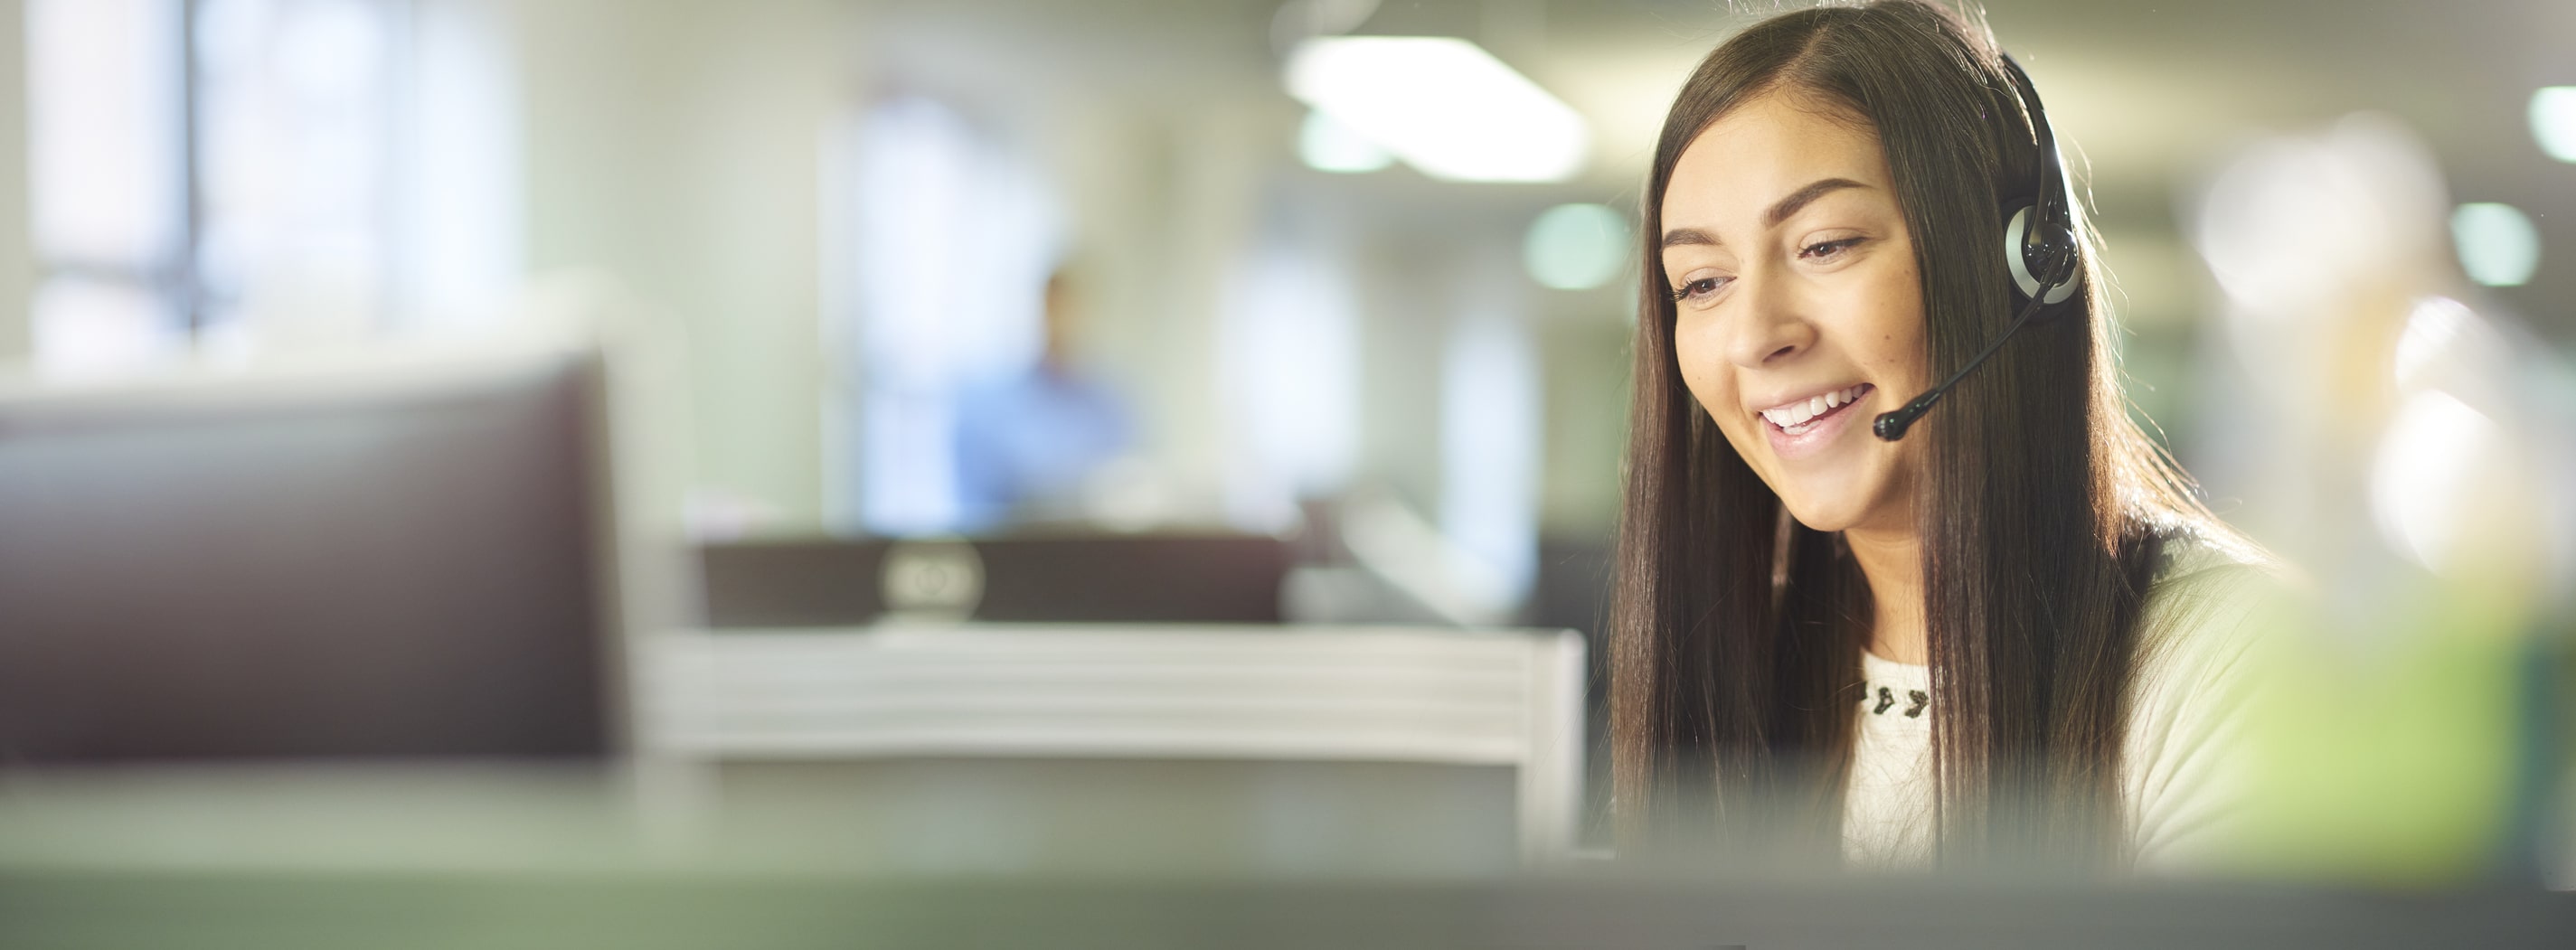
point(1780, 211)
point(1680, 236)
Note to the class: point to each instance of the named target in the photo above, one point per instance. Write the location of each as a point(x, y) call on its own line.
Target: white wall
point(676, 146)
point(17, 256)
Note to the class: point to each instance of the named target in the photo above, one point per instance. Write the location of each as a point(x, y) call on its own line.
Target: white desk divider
point(1392, 694)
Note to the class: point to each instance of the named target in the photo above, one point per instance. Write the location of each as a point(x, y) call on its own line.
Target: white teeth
point(1796, 415)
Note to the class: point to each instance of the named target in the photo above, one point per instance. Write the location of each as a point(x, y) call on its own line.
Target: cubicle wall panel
point(1458, 697)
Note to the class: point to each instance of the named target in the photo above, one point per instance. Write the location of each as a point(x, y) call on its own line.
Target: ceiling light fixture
point(1443, 105)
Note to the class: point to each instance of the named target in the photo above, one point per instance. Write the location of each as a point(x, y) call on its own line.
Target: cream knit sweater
point(2181, 763)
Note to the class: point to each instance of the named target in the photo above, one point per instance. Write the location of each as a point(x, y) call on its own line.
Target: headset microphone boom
point(2040, 245)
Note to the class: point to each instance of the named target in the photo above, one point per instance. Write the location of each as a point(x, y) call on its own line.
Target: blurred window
point(203, 169)
point(1490, 422)
point(954, 239)
point(108, 176)
point(1288, 343)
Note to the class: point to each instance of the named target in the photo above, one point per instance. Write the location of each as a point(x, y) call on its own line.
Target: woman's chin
point(1858, 496)
point(1828, 519)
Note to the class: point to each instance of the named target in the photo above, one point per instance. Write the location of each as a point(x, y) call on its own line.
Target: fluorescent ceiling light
point(1442, 104)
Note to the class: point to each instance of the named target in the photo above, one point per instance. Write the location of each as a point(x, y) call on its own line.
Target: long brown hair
point(2041, 508)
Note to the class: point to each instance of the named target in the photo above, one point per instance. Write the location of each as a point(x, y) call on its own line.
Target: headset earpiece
point(2040, 244)
point(2041, 247)
point(2042, 258)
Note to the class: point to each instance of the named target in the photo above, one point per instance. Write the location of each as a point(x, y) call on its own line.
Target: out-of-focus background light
point(1443, 104)
point(1329, 146)
point(2498, 245)
point(1576, 246)
point(2553, 121)
point(2437, 325)
point(2426, 473)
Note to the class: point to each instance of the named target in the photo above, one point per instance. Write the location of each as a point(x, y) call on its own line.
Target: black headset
point(2040, 246)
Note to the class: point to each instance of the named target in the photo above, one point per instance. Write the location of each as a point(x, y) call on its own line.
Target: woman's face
point(1800, 312)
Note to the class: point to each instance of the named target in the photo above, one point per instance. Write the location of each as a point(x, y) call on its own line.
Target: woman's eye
point(1828, 250)
point(1699, 289)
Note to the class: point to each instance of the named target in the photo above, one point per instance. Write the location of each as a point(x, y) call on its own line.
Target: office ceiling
point(2151, 91)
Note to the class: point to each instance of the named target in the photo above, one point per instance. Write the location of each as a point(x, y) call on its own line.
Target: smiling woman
point(1830, 259)
point(2011, 636)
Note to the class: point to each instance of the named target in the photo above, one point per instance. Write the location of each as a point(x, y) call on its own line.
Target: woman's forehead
point(1765, 149)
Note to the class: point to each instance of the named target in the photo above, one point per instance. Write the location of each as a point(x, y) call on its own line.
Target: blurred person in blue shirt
point(1030, 442)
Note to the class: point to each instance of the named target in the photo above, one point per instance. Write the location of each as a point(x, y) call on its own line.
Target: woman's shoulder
point(2202, 552)
point(2202, 612)
point(2206, 584)
point(2202, 638)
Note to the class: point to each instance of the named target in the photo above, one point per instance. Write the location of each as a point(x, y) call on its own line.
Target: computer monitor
point(1059, 576)
point(375, 563)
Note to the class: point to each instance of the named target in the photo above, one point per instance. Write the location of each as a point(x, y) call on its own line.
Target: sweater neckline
point(1892, 689)
point(1881, 668)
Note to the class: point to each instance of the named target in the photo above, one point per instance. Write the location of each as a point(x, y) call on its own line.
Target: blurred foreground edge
point(744, 910)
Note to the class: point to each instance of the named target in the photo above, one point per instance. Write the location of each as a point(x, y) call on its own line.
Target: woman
point(2005, 635)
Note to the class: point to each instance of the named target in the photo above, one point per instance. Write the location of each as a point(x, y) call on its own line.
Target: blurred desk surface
point(492, 856)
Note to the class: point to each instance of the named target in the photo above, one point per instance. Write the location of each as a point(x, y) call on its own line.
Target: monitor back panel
point(404, 572)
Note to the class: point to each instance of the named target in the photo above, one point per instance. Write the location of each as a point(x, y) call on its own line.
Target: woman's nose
point(1774, 326)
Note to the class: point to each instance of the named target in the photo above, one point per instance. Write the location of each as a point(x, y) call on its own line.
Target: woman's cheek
point(1707, 386)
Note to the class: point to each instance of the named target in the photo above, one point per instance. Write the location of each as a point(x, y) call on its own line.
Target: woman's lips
point(1814, 434)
